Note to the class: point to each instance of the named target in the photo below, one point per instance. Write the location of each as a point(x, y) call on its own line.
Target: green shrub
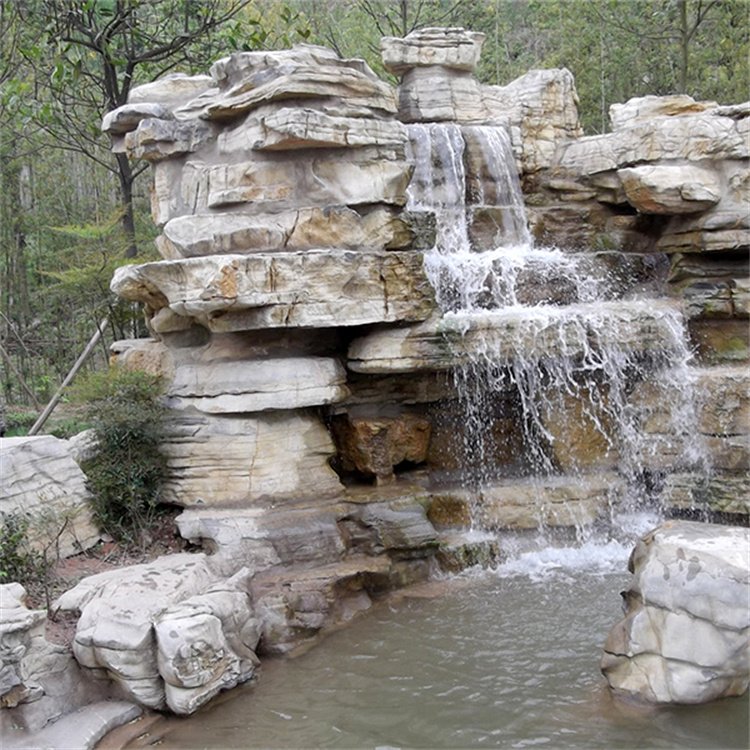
point(125, 475)
point(19, 561)
point(18, 421)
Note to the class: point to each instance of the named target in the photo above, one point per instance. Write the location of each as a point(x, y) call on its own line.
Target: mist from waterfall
point(575, 349)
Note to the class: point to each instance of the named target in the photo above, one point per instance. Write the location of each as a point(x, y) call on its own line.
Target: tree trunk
point(684, 46)
point(125, 175)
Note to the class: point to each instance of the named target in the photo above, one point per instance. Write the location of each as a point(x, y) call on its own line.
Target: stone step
point(521, 333)
point(81, 729)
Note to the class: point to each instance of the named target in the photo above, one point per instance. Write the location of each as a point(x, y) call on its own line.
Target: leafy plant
point(125, 474)
point(19, 561)
point(18, 421)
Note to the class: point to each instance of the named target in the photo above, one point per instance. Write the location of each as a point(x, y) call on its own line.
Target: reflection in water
point(501, 659)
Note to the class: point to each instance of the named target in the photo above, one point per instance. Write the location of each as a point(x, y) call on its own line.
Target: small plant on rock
point(125, 474)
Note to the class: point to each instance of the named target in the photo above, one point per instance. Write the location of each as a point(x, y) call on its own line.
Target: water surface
point(502, 659)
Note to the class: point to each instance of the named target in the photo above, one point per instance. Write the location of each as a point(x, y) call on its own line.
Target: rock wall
point(307, 365)
point(316, 433)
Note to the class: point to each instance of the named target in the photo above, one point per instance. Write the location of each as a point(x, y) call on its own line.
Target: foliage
point(19, 561)
point(18, 421)
point(616, 49)
point(126, 473)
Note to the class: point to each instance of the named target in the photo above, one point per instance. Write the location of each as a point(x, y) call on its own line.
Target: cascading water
point(565, 343)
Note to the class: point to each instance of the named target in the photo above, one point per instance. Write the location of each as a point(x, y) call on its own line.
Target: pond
point(505, 658)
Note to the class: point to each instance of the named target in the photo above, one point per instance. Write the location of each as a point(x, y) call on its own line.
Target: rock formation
point(684, 638)
point(39, 680)
point(317, 436)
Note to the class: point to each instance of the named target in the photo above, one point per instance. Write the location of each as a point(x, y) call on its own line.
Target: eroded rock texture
point(684, 638)
point(42, 482)
point(317, 437)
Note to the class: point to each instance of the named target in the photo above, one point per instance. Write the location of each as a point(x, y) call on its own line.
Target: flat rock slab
point(305, 289)
point(704, 135)
point(570, 331)
point(684, 638)
point(452, 48)
point(286, 231)
point(246, 80)
point(81, 730)
point(257, 385)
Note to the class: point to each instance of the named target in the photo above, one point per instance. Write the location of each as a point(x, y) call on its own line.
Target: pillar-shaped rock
point(436, 66)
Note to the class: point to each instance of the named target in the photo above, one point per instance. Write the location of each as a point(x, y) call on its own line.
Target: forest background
point(71, 211)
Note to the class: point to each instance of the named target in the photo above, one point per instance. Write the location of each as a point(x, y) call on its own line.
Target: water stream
point(541, 326)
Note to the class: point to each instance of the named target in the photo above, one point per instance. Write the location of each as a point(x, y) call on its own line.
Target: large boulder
point(229, 460)
point(171, 633)
point(43, 482)
point(684, 638)
point(668, 189)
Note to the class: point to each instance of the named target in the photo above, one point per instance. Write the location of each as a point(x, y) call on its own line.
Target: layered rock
point(309, 376)
point(43, 482)
point(234, 459)
point(316, 289)
point(39, 680)
point(684, 638)
point(721, 429)
point(436, 66)
point(540, 109)
point(681, 166)
point(564, 332)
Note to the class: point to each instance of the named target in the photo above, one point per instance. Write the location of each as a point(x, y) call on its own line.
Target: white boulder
point(684, 638)
point(42, 481)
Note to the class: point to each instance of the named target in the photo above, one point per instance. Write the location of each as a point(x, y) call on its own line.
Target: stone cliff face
point(301, 339)
point(317, 435)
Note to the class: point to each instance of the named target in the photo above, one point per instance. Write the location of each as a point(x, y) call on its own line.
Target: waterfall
point(569, 355)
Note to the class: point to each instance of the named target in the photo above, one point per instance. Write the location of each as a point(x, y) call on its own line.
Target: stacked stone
point(680, 169)
point(436, 67)
point(671, 182)
point(279, 185)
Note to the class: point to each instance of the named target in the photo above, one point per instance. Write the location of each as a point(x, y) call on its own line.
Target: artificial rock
point(166, 623)
point(436, 68)
point(42, 480)
point(670, 189)
point(446, 342)
point(215, 460)
point(293, 307)
point(40, 681)
point(267, 290)
point(690, 586)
